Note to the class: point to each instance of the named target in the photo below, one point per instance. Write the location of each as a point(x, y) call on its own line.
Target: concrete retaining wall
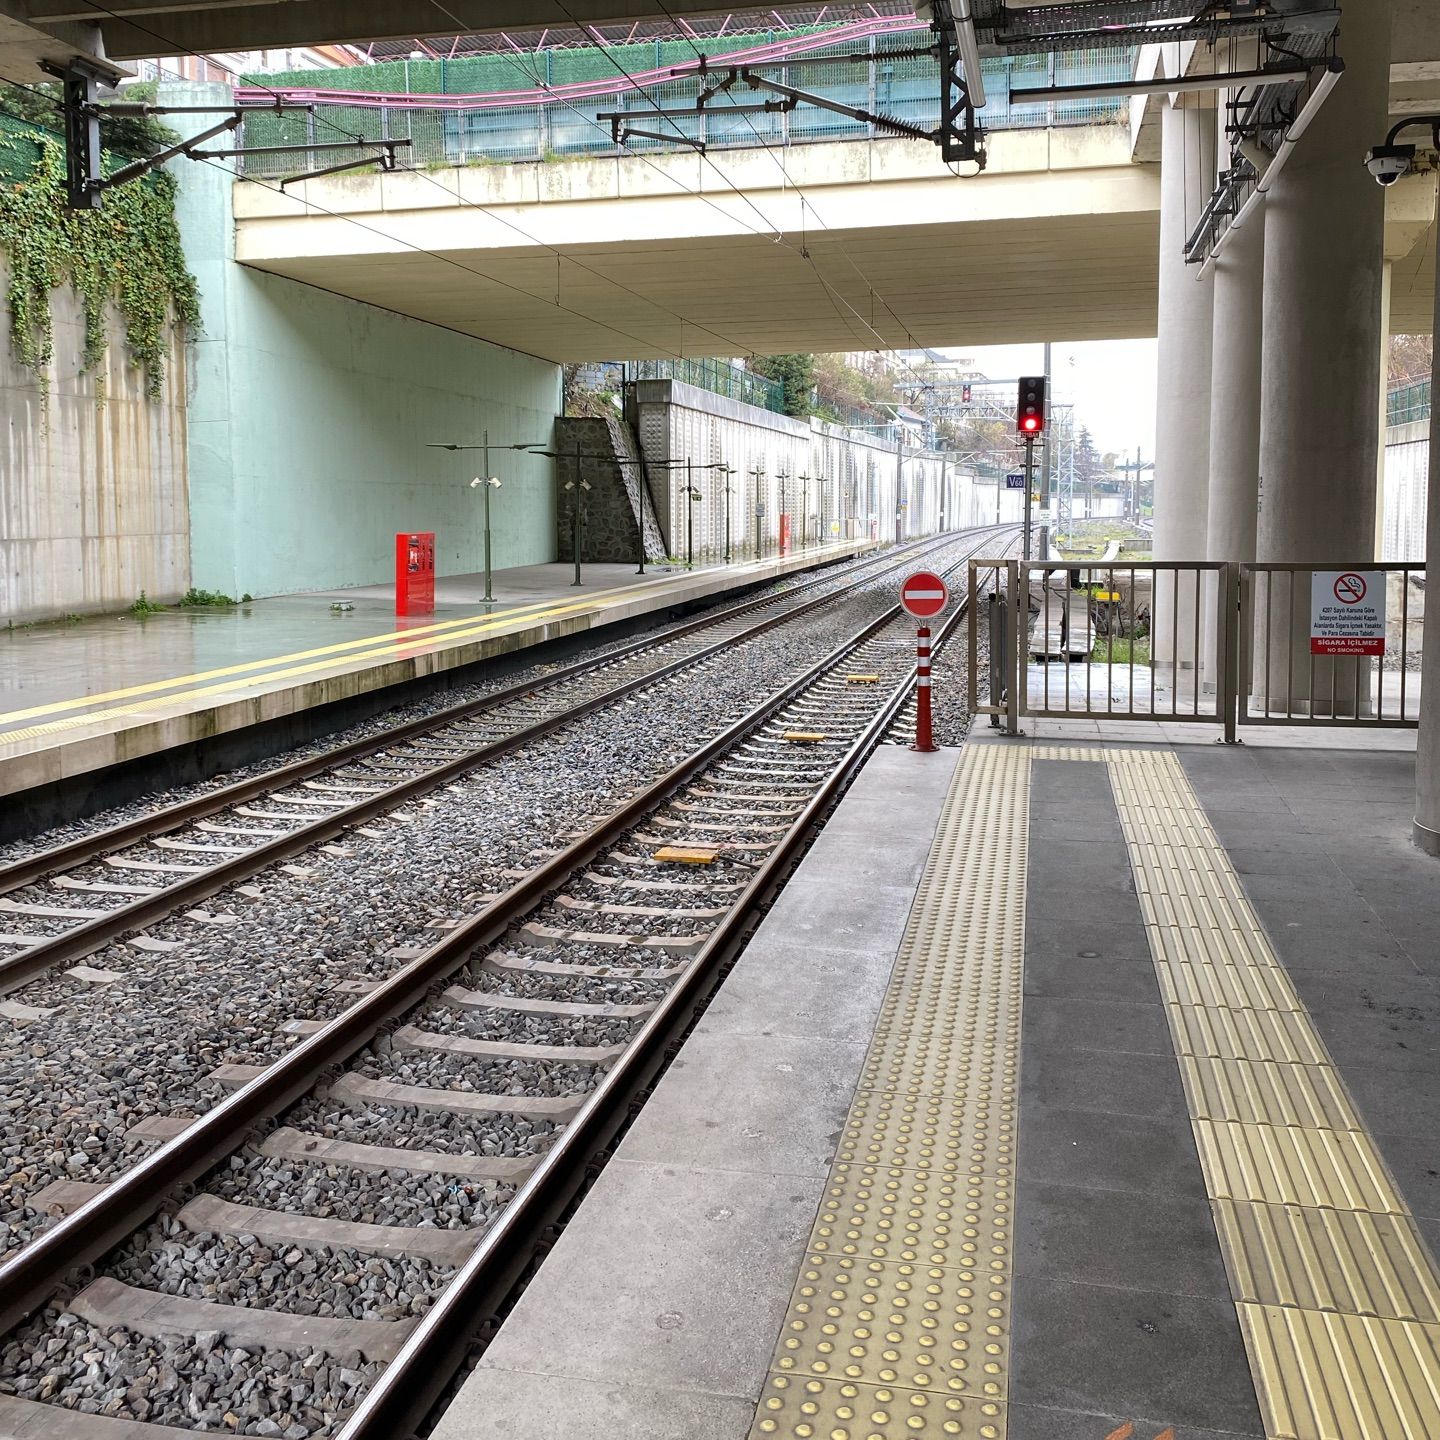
point(861, 494)
point(1407, 467)
point(311, 416)
point(93, 503)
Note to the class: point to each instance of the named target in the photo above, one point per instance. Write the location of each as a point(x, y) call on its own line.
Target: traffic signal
point(1030, 413)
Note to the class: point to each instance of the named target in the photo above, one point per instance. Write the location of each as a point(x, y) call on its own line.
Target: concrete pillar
point(1182, 407)
point(1235, 394)
point(1324, 263)
point(1427, 750)
point(1385, 288)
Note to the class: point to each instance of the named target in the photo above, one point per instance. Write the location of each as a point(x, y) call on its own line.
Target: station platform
point(85, 696)
point(1076, 1088)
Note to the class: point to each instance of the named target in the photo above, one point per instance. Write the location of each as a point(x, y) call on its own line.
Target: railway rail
point(95, 890)
point(589, 968)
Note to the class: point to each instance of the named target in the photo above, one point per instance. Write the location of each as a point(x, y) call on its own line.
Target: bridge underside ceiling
point(863, 247)
point(891, 286)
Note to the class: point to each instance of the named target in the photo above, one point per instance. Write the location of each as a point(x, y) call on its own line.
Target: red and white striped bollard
point(924, 739)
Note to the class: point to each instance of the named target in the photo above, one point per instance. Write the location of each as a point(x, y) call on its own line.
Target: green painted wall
point(310, 415)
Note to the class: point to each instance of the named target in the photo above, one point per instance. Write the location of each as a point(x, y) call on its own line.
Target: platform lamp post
point(822, 484)
point(487, 483)
point(728, 490)
point(782, 519)
point(804, 480)
point(757, 475)
point(692, 495)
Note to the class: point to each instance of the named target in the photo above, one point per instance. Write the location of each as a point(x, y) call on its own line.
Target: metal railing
point(1207, 642)
point(533, 118)
point(717, 376)
point(1408, 402)
point(1298, 675)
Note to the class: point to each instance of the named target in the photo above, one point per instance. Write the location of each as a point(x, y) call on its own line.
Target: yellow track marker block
point(686, 854)
point(862, 679)
point(803, 737)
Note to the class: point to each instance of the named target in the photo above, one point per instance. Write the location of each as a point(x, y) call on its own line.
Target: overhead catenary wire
point(682, 320)
point(802, 250)
point(392, 238)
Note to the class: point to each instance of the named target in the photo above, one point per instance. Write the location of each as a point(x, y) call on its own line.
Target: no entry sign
point(1347, 612)
point(924, 594)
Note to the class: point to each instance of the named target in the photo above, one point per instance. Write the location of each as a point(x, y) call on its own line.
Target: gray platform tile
point(1036, 1422)
point(1051, 908)
point(1090, 978)
point(1280, 857)
point(1394, 1037)
point(669, 1278)
point(1336, 943)
point(1393, 1102)
point(1116, 939)
point(1058, 825)
point(1100, 1350)
point(518, 1406)
point(1108, 1152)
point(832, 911)
point(1324, 989)
point(753, 1103)
point(864, 860)
point(1414, 1161)
point(1318, 886)
point(1109, 1237)
point(790, 987)
point(1144, 1086)
point(1054, 1022)
point(1059, 858)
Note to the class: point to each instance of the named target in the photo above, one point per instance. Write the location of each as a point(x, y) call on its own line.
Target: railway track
point(60, 906)
point(436, 1125)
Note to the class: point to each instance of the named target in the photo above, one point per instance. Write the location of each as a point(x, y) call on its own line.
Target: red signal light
point(1030, 411)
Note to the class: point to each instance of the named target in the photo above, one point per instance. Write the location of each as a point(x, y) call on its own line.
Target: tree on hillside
point(1410, 357)
point(137, 137)
point(795, 374)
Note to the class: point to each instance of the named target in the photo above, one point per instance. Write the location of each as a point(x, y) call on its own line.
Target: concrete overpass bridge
point(1058, 239)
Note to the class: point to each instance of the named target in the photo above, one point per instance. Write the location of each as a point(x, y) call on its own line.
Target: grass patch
point(205, 597)
point(144, 606)
point(1118, 650)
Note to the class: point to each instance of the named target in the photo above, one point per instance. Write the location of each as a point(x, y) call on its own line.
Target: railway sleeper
point(361, 1091)
point(713, 912)
point(209, 1215)
point(727, 887)
point(287, 1143)
point(458, 997)
point(498, 963)
point(546, 937)
point(412, 1038)
point(106, 1303)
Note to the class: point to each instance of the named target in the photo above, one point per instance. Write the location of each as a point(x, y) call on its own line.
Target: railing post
point(1227, 636)
point(1015, 646)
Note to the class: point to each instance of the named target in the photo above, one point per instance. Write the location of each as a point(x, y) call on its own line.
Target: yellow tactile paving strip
point(1338, 1298)
point(899, 1323)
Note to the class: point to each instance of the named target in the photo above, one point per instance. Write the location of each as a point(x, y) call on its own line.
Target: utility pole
point(804, 510)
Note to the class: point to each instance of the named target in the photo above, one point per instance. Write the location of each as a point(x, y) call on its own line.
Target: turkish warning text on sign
point(1347, 612)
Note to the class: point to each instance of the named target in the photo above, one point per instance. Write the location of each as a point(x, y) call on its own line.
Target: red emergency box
point(784, 534)
point(414, 574)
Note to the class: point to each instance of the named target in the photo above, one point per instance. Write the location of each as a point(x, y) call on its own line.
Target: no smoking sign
point(1347, 612)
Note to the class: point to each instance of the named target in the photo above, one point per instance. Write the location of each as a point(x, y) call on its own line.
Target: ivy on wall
point(127, 253)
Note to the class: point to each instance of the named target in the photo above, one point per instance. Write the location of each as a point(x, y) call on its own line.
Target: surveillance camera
point(1387, 163)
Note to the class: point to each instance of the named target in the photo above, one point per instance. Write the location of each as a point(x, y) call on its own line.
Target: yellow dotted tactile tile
point(899, 1323)
point(1337, 1296)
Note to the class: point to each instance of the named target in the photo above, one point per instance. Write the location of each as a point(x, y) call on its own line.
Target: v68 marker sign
point(1347, 612)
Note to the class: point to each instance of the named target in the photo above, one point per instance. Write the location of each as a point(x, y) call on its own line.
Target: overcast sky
point(1110, 382)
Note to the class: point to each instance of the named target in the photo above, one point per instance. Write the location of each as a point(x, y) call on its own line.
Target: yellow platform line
point(1338, 1297)
point(442, 631)
point(900, 1321)
point(393, 647)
